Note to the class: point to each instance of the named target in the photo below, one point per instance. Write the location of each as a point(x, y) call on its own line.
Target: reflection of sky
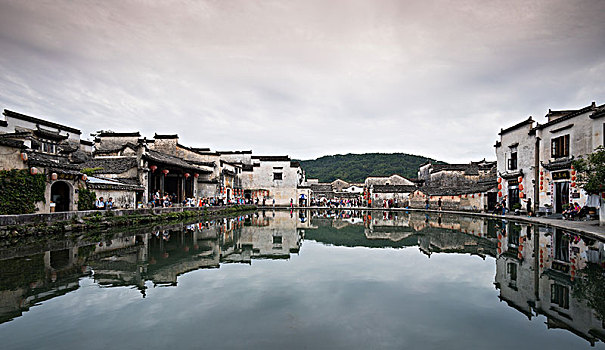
point(326, 297)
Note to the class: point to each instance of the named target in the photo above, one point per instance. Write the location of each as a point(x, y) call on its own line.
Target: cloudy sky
point(304, 77)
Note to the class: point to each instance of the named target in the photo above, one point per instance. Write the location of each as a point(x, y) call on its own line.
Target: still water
point(308, 280)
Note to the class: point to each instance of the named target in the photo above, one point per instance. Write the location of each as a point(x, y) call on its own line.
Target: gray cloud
point(305, 78)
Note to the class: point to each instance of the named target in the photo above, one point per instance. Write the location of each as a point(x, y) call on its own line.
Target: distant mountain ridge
point(357, 167)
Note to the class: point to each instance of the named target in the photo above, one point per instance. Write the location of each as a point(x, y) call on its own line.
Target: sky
point(303, 78)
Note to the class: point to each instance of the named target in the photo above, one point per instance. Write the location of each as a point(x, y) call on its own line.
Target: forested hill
point(356, 167)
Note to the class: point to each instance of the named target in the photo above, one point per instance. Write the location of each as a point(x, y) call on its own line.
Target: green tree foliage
point(591, 171)
point(90, 171)
point(19, 191)
point(86, 199)
point(589, 288)
point(357, 167)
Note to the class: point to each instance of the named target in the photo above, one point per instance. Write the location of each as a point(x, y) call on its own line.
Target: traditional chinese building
point(48, 148)
point(535, 161)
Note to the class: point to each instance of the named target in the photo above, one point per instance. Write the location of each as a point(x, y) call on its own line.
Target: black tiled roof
point(12, 143)
point(321, 188)
point(51, 135)
point(272, 158)
point(163, 158)
point(173, 136)
point(100, 149)
point(111, 165)
point(567, 116)
point(528, 121)
point(449, 167)
point(51, 161)
point(119, 134)
point(558, 164)
point(208, 164)
point(40, 121)
point(393, 188)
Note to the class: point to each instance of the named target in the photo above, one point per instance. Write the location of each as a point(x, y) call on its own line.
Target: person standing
point(426, 202)
point(503, 204)
point(439, 203)
point(100, 204)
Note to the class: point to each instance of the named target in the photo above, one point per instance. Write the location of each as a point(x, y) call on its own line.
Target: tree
point(591, 171)
point(589, 288)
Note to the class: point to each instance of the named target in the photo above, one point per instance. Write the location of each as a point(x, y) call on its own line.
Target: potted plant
point(517, 208)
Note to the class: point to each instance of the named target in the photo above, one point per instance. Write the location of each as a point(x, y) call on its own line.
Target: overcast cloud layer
point(304, 78)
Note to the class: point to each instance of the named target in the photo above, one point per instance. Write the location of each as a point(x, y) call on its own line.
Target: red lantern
point(24, 156)
point(573, 184)
point(187, 175)
point(541, 173)
point(153, 168)
point(573, 173)
point(33, 171)
point(520, 179)
point(499, 194)
point(541, 188)
point(499, 180)
point(196, 175)
point(573, 178)
point(53, 176)
point(572, 167)
point(521, 195)
point(473, 196)
point(84, 177)
point(499, 186)
point(165, 171)
point(520, 187)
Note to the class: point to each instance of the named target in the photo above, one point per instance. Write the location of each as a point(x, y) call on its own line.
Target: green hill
point(356, 167)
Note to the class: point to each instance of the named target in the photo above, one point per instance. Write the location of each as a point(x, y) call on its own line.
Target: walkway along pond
point(308, 279)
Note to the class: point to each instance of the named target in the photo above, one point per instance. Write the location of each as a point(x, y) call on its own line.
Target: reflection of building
point(275, 240)
point(537, 271)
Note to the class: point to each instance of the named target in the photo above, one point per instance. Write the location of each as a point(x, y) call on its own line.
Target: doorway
point(561, 195)
point(60, 195)
point(513, 197)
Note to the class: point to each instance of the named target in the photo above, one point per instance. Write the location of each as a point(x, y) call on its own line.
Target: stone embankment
point(14, 226)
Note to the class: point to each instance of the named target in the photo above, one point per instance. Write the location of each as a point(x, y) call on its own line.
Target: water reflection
point(540, 271)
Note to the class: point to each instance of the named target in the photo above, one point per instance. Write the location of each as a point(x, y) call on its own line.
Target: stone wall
point(10, 158)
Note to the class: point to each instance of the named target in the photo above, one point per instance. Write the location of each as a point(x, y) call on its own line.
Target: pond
point(308, 280)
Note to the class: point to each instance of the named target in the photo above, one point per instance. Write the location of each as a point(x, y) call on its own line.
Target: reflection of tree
point(590, 288)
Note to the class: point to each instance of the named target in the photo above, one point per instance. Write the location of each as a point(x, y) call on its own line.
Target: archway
point(60, 194)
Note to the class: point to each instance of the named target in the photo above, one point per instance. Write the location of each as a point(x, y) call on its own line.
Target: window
point(48, 147)
point(512, 162)
point(277, 239)
point(277, 176)
point(559, 295)
point(559, 146)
